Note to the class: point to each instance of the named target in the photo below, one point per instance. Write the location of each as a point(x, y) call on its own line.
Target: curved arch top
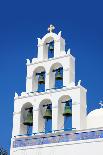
point(64, 98)
point(40, 68)
point(48, 36)
point(59, 45)
point(45, 101)
point(56, 65)
point(26, 105)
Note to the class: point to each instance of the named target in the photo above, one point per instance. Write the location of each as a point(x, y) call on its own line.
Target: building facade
point(50, 117)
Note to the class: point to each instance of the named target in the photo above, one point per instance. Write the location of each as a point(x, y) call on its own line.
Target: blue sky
point(22, 22)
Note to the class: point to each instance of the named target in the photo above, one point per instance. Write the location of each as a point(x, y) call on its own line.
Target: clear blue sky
point(22, 22)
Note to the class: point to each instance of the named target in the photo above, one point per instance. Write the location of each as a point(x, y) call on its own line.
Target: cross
point(51, 28)
point(101, 104)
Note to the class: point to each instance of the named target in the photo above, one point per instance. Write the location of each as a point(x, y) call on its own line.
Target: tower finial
point(101, 104)
point(51, 28)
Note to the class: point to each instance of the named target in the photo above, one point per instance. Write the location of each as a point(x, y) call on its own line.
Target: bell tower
point(52, 101)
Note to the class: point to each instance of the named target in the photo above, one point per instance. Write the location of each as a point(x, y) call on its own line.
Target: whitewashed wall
point(89, 147)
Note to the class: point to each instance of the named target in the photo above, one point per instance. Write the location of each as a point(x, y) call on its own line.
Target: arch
point(24, 128)
point(49, 39)
point(48, 42)
point(50, 35)
point(52, 82)
point(35, 77)
point(65, 123)
point(42, 122)
point(59, 45)
point(64, 98)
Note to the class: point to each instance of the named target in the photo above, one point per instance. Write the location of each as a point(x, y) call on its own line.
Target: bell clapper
point(50, 46)
point(67, 109)
point(29, 119)
point(41, 79)
point(58, 73)
point(48, 112)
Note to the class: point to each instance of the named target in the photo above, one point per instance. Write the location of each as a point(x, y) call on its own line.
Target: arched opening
point(56, 76)
point(65, 112)
point(49, 47)
point(39, 79)
point(45, 116)
point(26, 122)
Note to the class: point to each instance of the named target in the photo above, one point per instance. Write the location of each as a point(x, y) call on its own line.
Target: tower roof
point(95, 118)
point(96, 113)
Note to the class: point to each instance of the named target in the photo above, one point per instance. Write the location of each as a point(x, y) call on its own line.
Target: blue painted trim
point(56, 138)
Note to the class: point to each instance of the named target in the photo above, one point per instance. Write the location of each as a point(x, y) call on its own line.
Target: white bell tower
point(50, 85)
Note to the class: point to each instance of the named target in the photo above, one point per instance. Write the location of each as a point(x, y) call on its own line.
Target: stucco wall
point(88, 147)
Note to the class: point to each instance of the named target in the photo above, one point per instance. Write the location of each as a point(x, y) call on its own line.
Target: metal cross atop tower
point(51, 28)
point(101, 104)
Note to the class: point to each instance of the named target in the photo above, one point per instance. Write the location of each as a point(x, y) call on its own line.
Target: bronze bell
point(67, 111)
point(51, 47)
point(48, 113)
point(41, 79)
point(58, 76)
point(29, 119)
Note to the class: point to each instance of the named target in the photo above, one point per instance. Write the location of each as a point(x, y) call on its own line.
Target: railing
point(56, 138)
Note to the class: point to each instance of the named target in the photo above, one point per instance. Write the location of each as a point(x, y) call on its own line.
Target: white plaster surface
point(95, 118)
point(89, 147)
point(80, 120)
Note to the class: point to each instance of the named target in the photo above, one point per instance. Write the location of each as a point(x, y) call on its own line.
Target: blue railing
point(56, 138)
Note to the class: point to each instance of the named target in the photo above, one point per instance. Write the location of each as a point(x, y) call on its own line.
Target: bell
point(48, 113)
point(41, 79)
point(29, 120)
point(51, 47)
point(59, 76)
point(67, 111)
